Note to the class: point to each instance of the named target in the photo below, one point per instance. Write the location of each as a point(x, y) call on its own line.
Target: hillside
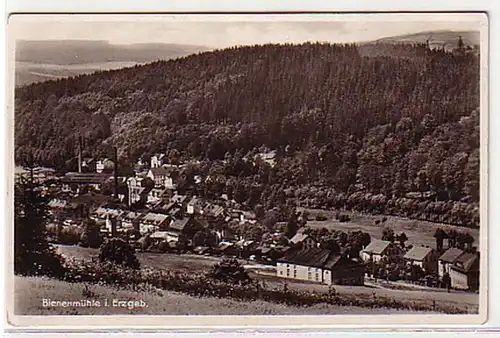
point(383, 125)
point(437, 39)
point(42, 60)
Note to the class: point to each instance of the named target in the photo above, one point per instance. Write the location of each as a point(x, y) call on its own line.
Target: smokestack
point(80, 146)
point(115, 170)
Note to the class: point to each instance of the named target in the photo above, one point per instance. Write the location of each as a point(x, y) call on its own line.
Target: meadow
point(158, 302)
point(467, 302)
point(418, 232)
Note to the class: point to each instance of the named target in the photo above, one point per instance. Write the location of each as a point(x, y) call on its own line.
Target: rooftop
point(451, 255)
point(418, 253)
point(377, 246)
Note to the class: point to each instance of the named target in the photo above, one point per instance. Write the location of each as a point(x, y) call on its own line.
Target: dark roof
point(180, 224)
point(418, 253)
point(315, 257)
point(85, 178)
point(377, 246)
point(298, 238)
point(466, 262)
point(451, 255)
point(161, 171)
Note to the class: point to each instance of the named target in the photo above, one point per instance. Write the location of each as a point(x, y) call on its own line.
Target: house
point(138, 190)
point(378, 249)
point(448, 258)
point(157, 160)
point(194, 206)
point(213, 211)
point(423, 257)
point(160, 236)
point(78, 182)
point(155, 195)
point(464, 273)
point(153, 222)
point(130, 220)
point(179, 199)
point(186, 226)
point(304, 240)
point(162, 177)
point(226, 249)
point(109, 218)
point(322, 266)
point(104, 166)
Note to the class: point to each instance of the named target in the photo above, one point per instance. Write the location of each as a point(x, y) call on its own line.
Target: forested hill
point(394, 123)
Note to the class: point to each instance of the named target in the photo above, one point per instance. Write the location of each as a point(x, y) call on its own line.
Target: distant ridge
point(446, 38)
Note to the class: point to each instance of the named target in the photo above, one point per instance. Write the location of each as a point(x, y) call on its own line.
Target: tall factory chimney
point(80, 146)
point(115, 170)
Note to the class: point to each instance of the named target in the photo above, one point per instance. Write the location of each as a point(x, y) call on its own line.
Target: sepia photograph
point(320, 168)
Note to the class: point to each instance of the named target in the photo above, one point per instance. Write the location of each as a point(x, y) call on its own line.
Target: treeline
point(342, 123)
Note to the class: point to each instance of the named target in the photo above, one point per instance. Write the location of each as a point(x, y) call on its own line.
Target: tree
point(118, 251)
point(332, 245)
point(439, 235)
point(388, 235)
point(402, 238)
point(292, 225)
point(91, 235)
point(33, 255)
point(199, 238)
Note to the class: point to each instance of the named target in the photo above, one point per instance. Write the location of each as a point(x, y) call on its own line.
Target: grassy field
point(30, 292)
point(418, 232)
point(167, 261)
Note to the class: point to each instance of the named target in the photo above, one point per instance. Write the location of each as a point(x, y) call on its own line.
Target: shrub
point(321, 218)
point(229, 270)
point(118, 251)
point(69, 235)
point(163, 246)
point(344, 218)
point(91, 235)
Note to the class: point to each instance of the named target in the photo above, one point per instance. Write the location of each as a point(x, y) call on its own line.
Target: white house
point(306, 241)
point(447, 259)
point(321, 266)
point(378, 249)
point(194, 206)
point(423, 257)
point(162, 177)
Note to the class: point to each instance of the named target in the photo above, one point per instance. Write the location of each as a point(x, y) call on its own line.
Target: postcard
point(247, 170)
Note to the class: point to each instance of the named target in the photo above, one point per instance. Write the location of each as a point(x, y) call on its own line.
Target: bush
point(163, 246)
point(118, 251)
point(321, 218)
point(343, 217)
point(69, 235)
point(91, 235)
point(230, 270)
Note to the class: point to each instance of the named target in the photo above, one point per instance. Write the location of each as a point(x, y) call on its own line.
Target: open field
point(418, 232)
point(158, 302)
point(168, 261)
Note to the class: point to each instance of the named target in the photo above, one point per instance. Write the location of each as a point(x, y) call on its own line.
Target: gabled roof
point(155, 218)
point(314, 257)
point(466, 262)
point(377, 246)
point(418, 253)
point(161, 171)
point(298, 238)
point(179, 198)
point(194, 201)
point(451, 255)
point(213, 210)
point(180, 224)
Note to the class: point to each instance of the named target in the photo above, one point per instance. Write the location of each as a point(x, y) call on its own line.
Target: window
point(308, 269)
point(281, 272)
point(309, 275)
point(294, 273)
point(288, 272)
point(317, 275)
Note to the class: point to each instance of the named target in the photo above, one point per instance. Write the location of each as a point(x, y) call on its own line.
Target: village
point(148, 211)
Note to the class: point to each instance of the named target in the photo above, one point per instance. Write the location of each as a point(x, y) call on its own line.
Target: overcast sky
point(225, 31)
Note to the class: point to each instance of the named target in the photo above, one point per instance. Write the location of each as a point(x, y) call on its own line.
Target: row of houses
point(462, 267)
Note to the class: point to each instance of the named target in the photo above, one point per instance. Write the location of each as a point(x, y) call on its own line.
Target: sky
point(224, 31)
